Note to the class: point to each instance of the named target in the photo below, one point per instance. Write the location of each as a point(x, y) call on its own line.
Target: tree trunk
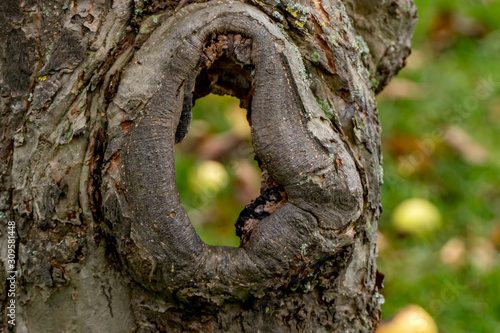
point(95, 94)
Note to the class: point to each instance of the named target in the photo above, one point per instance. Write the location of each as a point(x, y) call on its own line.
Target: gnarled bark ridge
point(90, 128)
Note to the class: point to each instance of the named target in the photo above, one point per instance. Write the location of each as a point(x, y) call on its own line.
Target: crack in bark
point(323, 45)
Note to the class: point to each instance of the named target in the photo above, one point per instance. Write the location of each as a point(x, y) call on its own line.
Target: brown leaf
point(453, 252)
point(483, 254)
point(402, 89)
point(466, 146)
point(248, 181)
point(412, 154)
point(449, 26)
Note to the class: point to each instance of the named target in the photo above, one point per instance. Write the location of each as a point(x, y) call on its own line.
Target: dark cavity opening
point(225, 68)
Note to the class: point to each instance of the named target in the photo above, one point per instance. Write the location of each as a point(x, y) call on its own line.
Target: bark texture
point(95, 94)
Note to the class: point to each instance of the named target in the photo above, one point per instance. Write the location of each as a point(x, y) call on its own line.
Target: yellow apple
point(411, 319)
point(209, 177)
point(416, 216)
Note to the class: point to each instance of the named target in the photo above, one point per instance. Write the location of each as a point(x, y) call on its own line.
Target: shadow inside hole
point(215, 168)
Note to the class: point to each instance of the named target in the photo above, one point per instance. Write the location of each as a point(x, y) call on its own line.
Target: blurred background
point(439, 234)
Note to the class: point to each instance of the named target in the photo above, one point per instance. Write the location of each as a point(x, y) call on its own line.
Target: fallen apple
point(209, 178)
point(411, 319)
point(416, 216)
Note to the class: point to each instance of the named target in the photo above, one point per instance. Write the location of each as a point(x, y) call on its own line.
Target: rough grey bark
point(95, 94)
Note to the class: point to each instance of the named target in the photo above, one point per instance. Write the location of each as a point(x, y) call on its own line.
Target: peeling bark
point(95, 94)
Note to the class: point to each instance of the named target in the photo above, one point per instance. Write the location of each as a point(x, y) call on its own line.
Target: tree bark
point(95, 94)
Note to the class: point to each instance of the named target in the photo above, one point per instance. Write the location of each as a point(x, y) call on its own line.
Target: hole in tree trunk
point(216, 171)
point(219, 156)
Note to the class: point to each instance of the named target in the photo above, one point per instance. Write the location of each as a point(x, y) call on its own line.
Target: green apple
point(416, 217)
point(209, 178)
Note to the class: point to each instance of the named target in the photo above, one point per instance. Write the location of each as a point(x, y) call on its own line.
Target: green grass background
point(460, 85)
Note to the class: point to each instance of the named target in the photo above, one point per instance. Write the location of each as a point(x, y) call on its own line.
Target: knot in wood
point(237, 51)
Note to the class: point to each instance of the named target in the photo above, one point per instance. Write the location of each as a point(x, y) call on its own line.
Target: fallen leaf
point(466, 146)
point(495, 235)
point(453, 252)
point(483, 254)
point(412, 154)
point(247, 181)
point(218, 146)
point(494, 110)
point(403, 89)
point(449, 26)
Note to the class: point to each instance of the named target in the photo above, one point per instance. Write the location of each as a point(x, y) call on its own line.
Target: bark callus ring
point(235, 51)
